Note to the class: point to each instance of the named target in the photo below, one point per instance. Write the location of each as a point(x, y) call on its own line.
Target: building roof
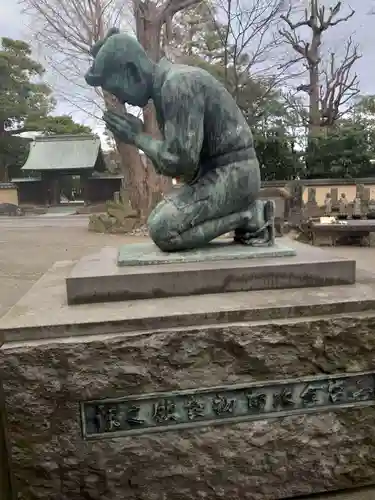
point(18, 180)
point(105, 175)
point(63, 152)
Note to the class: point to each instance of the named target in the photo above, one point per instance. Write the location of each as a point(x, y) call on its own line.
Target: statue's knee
point(157, 231)
point(162, 226)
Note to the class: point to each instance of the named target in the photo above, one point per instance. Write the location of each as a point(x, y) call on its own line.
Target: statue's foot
point(258, 230)
point(242, 236)
point(243, 233)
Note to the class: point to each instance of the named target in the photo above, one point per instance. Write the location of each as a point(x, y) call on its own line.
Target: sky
point(13, 24)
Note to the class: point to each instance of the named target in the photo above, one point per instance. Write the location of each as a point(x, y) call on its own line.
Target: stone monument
point(357, 207)
point(295, 214)
point(335, 198)
point(238, 389)
point(343, 205)
point(312, 208)
point(328, 205)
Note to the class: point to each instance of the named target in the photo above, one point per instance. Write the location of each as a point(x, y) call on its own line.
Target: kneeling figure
point(207, 143)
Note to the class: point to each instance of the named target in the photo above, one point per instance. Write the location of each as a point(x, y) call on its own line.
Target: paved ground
point(45, 220)
point(30, 245)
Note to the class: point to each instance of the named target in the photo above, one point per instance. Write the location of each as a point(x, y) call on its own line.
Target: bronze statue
point(207, 142)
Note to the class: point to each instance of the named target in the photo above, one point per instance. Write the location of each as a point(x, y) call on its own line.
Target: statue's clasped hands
point(124, 126)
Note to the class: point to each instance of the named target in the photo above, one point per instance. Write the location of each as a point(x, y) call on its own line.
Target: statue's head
point(122, 68)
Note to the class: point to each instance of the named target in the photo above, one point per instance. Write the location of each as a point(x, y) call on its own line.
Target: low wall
point(324, 186)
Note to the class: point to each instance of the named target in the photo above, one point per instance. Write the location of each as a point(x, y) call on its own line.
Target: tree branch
point(331, 21)
point(340, 86)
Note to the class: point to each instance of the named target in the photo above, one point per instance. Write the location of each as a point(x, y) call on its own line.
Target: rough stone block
point(5, 476)
point(105, 223)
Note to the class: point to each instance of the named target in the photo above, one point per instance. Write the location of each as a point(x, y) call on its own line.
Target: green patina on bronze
point(207, 143)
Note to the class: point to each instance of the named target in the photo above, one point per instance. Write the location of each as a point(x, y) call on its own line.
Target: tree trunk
point(142, 184)
point(314, 63)
point(149, 33)
point(314, 110)
point(132, 167)
point(314, 102)
point(140, 179)
point(3, 162)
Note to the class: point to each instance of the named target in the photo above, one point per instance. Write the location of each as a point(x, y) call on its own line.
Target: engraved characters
point(195, 408)
point(222, 405)
point(164, 411)
point(236, 402)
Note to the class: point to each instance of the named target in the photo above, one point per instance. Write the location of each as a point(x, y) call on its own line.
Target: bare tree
point(339, 86)
point(69, 28)
point(330, 89)
point(152, 21)
point(248, 37)
point(239, 40)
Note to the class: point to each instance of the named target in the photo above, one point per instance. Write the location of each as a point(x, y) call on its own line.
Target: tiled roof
point(63, 152)
point(17, 180)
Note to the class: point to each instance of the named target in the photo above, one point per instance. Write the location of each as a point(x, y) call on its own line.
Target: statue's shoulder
point(184, 79)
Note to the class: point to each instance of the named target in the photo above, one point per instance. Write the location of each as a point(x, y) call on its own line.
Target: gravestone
point(335, 197)
point(357, 207)
point(312, 208)
point(366, 196)
point(328, 205)
point(359, 190)
point(116, 197)
point(295, 213)
point(311, 195)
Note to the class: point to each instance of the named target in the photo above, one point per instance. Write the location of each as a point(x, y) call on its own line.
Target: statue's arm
point(178, 154)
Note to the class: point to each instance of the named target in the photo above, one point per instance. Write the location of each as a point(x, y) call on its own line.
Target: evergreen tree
point(25, 105)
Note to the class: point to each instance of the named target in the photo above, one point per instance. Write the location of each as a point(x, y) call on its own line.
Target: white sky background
point(13, 24)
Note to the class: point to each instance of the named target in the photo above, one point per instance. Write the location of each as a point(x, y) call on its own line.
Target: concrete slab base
point(98, 278)
point(44, 313)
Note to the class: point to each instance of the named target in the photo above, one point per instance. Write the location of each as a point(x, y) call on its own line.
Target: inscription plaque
point(158, 412)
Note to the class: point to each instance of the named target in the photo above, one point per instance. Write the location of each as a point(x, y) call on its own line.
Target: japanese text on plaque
point(182, 409)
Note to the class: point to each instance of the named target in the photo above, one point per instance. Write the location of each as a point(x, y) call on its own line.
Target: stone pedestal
point(259, 395)
point(141, 271)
